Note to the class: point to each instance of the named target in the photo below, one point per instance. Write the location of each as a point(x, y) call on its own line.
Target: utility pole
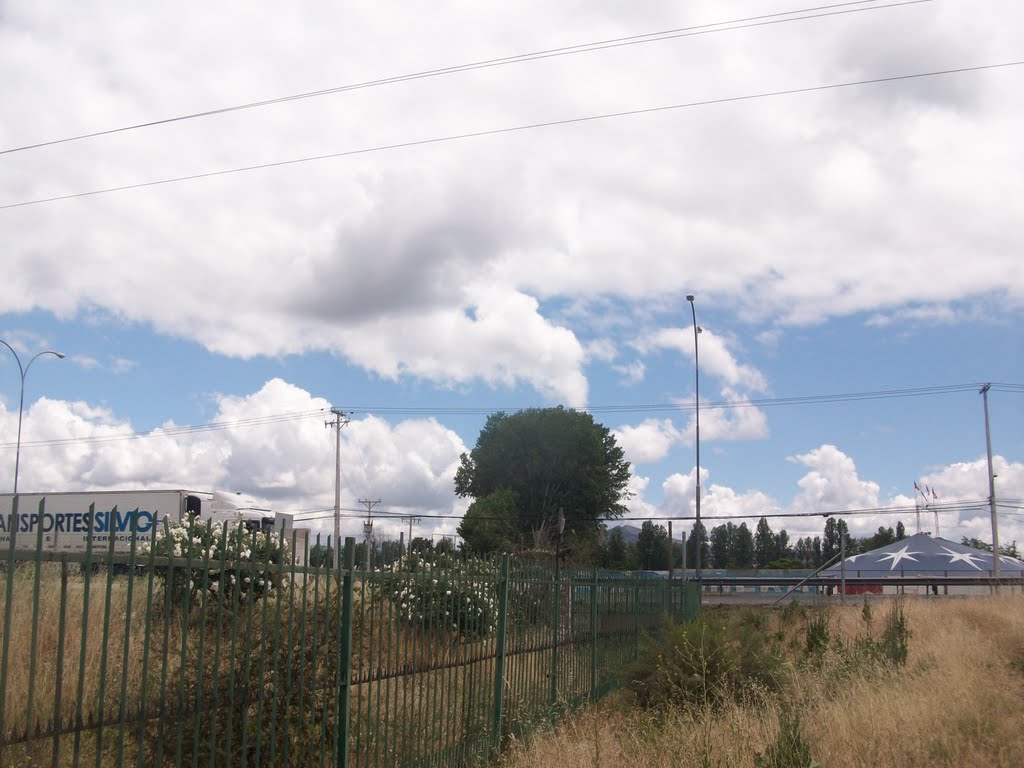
point(991, 490)
point(340, 420)
point(696, 411)
point(671, 553)
point(842, 566)
point(410, 519)
point(368, 528)
point(685, 577)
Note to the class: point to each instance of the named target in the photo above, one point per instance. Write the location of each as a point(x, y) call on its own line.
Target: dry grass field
point(958, 701)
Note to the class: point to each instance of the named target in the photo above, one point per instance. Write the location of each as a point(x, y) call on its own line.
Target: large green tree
point(698, 533)
point(723, 545)
point(765, 544)
point(653, 547)
point(615, 553)
point(549, 459)
point(835, 530)
point(491, 523)
point(744, 551)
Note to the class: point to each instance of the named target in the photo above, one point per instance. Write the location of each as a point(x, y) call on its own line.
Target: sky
point(504, 205)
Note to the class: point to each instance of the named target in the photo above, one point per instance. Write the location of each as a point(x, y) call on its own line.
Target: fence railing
point(147, 659)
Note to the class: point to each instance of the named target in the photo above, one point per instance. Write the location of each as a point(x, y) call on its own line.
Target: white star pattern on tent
point(901, 554)
point(963, 557)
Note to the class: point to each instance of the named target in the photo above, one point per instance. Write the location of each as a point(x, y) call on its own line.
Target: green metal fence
point(226, 656)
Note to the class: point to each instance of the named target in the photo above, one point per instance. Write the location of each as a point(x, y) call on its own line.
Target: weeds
point(704, 662)
point(934, 683)
point(790, 749)
point(818, 636)
point(895, 643)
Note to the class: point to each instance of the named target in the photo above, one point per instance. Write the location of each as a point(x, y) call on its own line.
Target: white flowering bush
point(229, 562)
point(448, 596)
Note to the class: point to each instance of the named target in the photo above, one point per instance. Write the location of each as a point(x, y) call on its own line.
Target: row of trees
point(728, 546)
point(382, 551)
point(548, 478)
point(736, 546)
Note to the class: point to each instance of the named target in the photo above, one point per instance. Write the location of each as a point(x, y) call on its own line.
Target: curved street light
point(21, 399)
point(696, 372)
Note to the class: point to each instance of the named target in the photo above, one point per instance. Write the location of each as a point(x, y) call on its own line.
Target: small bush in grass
point(817, 636)
point(893, 646)
point(790, 749)
point(860, 655)
point(701, 663)
point(895, 642)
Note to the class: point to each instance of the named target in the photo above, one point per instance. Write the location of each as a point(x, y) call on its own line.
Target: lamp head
point(61, 355)
point(689, 297)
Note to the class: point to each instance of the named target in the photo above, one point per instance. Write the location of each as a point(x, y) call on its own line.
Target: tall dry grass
point(414, 690)
point(959, 702)
point(104, 654)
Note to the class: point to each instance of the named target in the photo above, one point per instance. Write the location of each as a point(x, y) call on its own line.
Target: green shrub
point(817, 635)
point(259, 695)
point(864, 655)
point(789, 750)
point(702, 662)
point(894, 644)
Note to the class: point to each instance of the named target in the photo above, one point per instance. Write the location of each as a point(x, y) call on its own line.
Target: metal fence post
point(637, 625)
point(345, 681)
point(499, 661)
point(593, 637)
point(12, 528)
point(555, 626)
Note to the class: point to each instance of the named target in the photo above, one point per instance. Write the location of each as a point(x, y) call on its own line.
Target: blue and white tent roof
point(924, 555)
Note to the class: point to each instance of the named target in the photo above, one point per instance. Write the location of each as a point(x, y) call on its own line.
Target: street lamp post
point(21, 400)
point(991, 491)
point(696, 375)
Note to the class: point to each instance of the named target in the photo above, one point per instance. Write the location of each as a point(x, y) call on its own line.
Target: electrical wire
point(710, 405)
point(782, 17)
point(510, 130)
point(953, 506)
point(882, 394)
point(215, 426)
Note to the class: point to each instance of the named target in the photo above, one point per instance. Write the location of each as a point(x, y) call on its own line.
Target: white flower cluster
point(445, 598)
point(217, 552)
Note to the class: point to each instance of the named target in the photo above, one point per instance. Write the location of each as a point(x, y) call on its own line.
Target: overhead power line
point(672, 407)
point(214, 426)
point(782, 17)
point(512, 129)
point(882, 394)
point(966, 505)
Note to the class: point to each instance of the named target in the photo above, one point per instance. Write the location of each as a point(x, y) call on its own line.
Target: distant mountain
point(630, 533)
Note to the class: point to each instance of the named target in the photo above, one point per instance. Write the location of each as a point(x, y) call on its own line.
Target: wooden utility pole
point(368, 528)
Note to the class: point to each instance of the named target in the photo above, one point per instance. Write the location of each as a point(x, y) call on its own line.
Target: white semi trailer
point(65, 522)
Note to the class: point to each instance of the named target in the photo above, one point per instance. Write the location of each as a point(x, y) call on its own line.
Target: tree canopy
point(490, 524)
point(653, 547)
point(547, 459)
